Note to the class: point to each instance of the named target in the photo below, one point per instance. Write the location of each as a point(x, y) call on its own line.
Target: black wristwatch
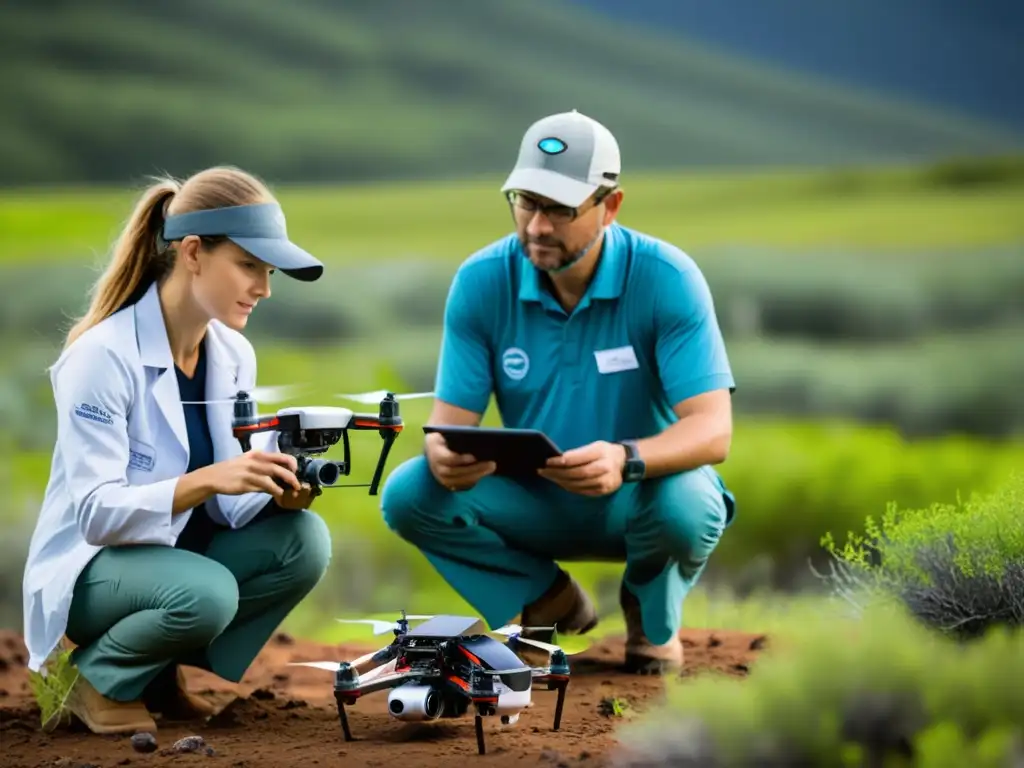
point(634, 469)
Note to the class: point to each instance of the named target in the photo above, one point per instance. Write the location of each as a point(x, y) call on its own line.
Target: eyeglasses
point(556, 213)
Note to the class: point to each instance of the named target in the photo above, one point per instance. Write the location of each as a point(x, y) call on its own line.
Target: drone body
point(308, 431)
point(445, 667)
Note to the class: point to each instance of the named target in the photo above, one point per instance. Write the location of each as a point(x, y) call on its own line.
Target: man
point(605, 339)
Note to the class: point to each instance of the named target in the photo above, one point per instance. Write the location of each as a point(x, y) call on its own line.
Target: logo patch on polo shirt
point(616, 360)
point(515, 362)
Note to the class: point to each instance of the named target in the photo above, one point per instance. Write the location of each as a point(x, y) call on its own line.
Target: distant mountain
point(312, 90)
point(961, 55)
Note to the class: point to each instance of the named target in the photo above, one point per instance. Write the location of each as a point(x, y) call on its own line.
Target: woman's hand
point(255, 471)
point(292, 499)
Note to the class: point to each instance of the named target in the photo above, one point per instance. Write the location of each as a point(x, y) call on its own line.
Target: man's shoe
point(642, 656)
point(171, 698)
point(565, 606)
point(102, 715)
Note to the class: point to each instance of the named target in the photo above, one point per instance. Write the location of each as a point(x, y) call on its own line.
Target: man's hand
point(455, 471)
point(301, 499)
point(590, 470)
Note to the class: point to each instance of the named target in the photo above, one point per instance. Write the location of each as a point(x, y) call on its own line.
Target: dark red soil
point(287, 716)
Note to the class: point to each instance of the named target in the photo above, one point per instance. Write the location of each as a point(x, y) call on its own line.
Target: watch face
point(634, 471)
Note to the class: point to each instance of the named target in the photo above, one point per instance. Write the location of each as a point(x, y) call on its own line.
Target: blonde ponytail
point(136, 258)
point(140, 256)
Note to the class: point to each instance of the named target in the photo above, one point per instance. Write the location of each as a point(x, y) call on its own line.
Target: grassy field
point(898, 208)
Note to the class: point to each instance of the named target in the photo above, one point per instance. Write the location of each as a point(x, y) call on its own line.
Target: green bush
point(962, 382)
point(959, 567)
point(868, 295)
point(836, 691)
point(796, 481)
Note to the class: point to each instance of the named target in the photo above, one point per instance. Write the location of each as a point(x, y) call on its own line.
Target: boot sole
point(637, 664)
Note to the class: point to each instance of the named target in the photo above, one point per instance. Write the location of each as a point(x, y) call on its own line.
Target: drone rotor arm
point(379, 684)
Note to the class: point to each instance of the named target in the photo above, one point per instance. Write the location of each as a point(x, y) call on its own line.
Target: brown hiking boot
point(642, 656)
point(565, 606)
point(102, 715)
point(172, 699)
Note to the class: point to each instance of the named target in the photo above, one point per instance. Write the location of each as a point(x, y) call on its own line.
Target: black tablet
point(517, 452)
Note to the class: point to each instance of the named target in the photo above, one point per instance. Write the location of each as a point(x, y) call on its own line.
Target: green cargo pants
point(137, 612)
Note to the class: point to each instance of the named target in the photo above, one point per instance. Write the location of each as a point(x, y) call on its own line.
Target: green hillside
point(112, 89)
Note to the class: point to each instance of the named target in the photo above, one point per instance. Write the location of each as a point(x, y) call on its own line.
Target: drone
point(444, 666)
point(307, 432)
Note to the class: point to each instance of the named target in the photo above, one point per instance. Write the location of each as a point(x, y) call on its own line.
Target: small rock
point(211, 752)
point(144, 742)
point(188, 744)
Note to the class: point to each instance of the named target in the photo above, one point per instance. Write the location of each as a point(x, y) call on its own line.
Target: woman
point(160, 542)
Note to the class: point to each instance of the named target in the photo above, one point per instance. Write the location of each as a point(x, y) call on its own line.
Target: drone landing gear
point(480, 746)
point(560, 685)
point(343, 717)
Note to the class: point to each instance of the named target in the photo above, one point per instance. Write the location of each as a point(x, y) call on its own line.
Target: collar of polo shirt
point(608, 281)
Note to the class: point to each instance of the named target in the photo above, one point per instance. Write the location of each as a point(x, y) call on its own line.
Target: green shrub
point(868, 295)
point(958, 567)
point(795, 481)
point(943, 383)
point(835, 691)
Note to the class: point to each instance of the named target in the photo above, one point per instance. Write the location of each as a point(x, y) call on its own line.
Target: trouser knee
point(309, 553)
point(690, 515)
point(198, 612)
point(411, 499)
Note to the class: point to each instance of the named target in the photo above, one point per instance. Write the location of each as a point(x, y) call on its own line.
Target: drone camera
point(320, 471)
point(415, 702)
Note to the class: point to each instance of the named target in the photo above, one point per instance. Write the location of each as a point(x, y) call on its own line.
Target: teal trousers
point(139, 611)
point(497, 544)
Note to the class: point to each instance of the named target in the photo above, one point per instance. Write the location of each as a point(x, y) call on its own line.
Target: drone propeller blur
point(381, 627)
point(269, 394)
point(514, 631)
point(375, 397)
point(281, 393)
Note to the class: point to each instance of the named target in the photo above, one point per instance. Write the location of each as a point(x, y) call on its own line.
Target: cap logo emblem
point(552, 146)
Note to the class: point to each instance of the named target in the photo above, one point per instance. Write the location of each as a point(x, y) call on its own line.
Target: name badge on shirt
point(616, 360)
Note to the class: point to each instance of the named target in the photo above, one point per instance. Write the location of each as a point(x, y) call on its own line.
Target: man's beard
point(567, 259)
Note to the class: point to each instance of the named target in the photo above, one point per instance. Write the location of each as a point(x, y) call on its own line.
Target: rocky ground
point(287, 716)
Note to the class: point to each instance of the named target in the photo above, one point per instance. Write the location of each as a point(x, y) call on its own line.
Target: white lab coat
point(121, 448)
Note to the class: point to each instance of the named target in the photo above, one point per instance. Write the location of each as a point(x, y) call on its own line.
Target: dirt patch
point(287, 716)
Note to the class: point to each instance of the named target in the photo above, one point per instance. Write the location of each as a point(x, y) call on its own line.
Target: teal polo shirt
point(643, 338)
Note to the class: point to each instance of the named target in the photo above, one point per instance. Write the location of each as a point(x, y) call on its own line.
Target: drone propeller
point(332, 666)
point(538, 644)
point(380, 394)
point(516, 629)
point(381, 627)
point(268, 395)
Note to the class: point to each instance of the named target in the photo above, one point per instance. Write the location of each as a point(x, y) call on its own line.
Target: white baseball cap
point(566, 157)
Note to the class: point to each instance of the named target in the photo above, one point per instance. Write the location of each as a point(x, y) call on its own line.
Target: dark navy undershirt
point(200, 528)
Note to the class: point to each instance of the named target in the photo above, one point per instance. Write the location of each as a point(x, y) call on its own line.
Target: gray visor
point(259, 229)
